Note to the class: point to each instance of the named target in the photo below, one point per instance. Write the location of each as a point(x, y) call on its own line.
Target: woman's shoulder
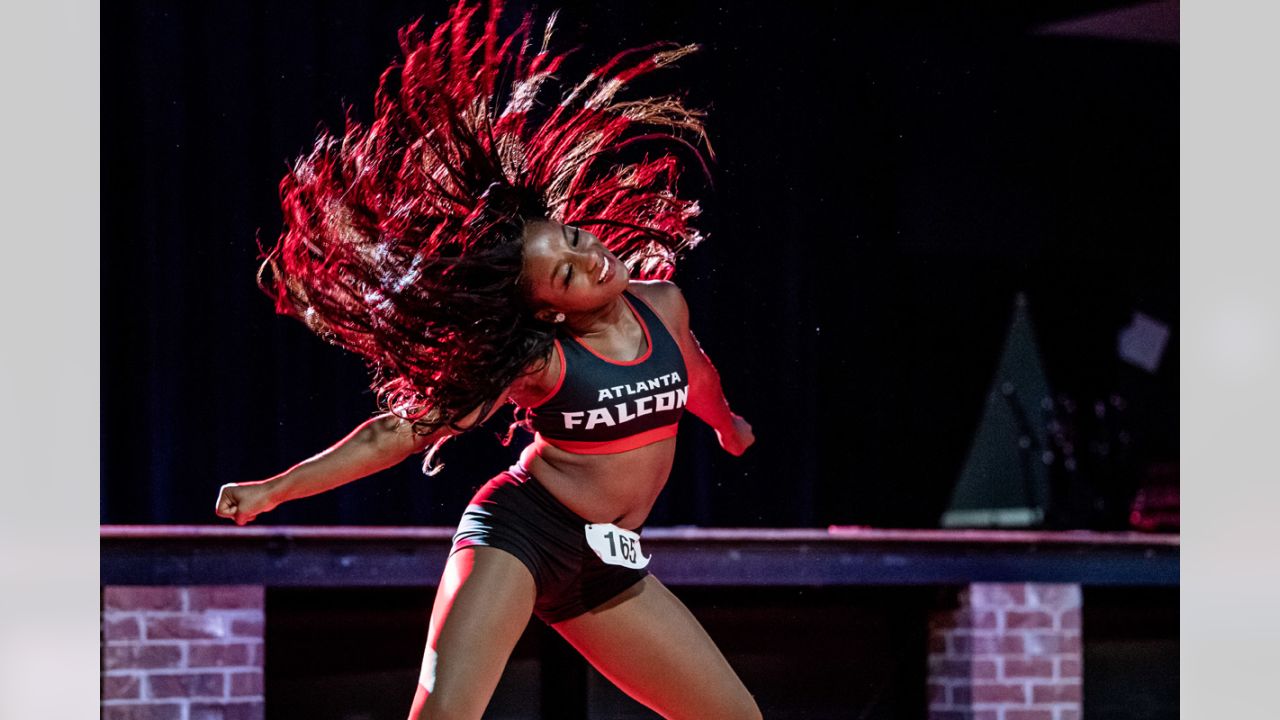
point(665, 298)
point(540, 378)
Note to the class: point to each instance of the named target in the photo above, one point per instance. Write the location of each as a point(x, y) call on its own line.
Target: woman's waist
point(618, 488)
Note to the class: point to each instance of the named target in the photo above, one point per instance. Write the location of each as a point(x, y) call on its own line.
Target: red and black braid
point(402, 240)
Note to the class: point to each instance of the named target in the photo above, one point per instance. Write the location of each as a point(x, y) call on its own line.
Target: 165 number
point(626, 547)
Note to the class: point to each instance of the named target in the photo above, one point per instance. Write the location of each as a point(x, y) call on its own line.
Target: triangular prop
point(1005, 482)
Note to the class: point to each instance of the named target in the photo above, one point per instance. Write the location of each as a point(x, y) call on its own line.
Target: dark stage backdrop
point(889, 176)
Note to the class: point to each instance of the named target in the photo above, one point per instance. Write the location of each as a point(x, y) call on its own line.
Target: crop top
point(600, 405)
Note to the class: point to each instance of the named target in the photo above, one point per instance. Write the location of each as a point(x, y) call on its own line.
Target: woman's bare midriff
point(618, 488)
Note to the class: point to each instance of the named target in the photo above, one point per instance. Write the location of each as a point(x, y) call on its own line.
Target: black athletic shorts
point(516, 513)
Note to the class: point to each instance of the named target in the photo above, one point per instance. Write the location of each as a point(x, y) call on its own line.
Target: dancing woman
point(477, 244)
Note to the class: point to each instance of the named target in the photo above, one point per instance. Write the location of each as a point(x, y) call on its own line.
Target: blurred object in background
point(1065, 460)
point(1091, 463)
point(1142, 343)
point(1156, 506)
point(1151, 22)
point(1005, 481)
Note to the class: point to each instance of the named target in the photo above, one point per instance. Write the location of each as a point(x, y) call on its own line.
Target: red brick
point(1071, 643)
point(942, 668)
point(206, 712)
point(227, 711)
point(121, 629)
point(1016, 619)
point(246, 628)
point(1011, 714)
point(1068, 668)
point(120, 687)
point(998, 595)
point(1055, 596)
point(993, 693)
point(218, 655)
point(983, 670)
point(1063, 692)
point(1031, 668)
point(225, 597)
point(1068, 714)
point(257, 653)
point(965, 645)
point(937, 643)
point(246, 683)
point(994, 644)
point(937, 693)
point(961, 694)
point(186, 686)
point(142, 711)
point(128, 657)
point(141, 597)
point(950, 715)
point(1044, 644)
point(245, 711)
point(1069, 620)
point(186, 627)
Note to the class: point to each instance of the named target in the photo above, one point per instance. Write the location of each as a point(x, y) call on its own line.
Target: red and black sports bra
point(600, 405)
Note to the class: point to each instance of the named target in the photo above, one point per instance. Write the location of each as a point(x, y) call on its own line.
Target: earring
point(559, 317)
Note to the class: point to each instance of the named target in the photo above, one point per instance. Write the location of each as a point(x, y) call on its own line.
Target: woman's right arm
point(376, 444)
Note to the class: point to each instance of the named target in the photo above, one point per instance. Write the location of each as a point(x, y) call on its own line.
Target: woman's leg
point(648, 644)
point(483, 605)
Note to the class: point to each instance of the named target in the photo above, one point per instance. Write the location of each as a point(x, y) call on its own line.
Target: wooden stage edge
point(328, 556)
point(842, 533)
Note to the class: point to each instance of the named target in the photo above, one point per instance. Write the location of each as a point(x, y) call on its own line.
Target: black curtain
point(888, 177)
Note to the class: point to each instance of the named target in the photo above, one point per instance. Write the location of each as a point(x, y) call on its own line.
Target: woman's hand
point(243, 502)
point(737, 438)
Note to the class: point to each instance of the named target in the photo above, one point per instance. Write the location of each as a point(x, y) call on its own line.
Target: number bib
point(615, 545)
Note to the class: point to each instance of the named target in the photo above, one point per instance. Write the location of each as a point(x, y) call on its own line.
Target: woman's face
point(568, 270)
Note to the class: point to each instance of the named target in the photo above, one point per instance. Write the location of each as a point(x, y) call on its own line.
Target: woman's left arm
point(706, 396)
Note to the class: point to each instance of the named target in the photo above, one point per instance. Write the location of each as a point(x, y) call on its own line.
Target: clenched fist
point(736, 439)
point(243, 502)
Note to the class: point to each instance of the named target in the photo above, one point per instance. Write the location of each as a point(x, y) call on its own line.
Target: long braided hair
point(402, 239)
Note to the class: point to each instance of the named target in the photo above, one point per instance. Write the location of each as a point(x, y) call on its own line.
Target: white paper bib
point(615, 545)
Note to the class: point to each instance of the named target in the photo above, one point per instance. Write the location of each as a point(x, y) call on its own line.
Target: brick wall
point(1009, 651)
point(182, 653)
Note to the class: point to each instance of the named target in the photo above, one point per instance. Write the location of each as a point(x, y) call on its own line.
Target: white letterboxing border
point(1229, 341)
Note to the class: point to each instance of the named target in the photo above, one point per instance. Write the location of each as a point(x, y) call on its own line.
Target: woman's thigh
point(648, 644)
point(482, 607)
